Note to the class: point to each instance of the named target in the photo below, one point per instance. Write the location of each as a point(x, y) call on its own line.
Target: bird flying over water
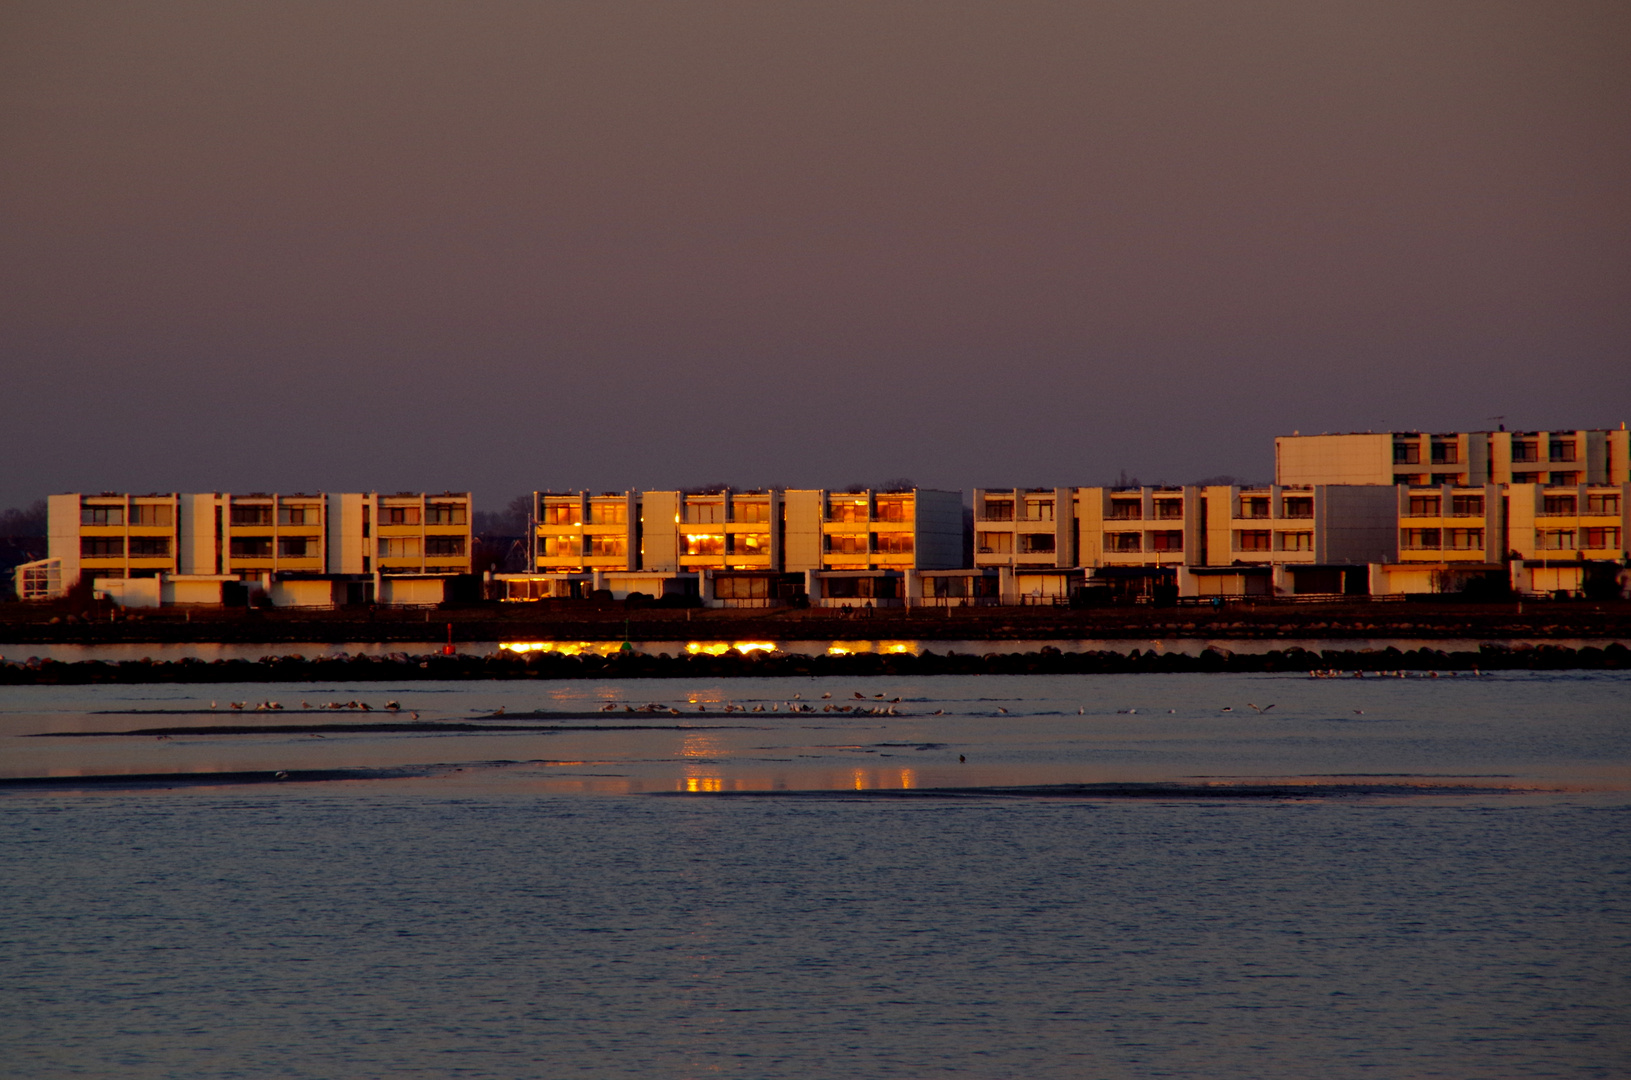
point(1261, 709)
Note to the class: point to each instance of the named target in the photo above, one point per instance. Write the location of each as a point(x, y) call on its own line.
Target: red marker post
point(447, 650)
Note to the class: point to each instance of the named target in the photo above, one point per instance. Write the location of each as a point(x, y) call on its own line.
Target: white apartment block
point(1461, 459)
point(741, 549)
point(298, 550)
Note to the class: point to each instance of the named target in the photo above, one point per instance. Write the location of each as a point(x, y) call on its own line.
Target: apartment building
point(1460, 459)
point(1561, 538)
point(1451, 538)
point(299, 550)
point(742, 549)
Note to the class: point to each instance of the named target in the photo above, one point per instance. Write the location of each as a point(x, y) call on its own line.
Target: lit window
point(704, 544)
point(445, 513)
point(1253, 539)
point(562, 547)
point(399, 547)
point(1554, 539)
point(561, 513)
point(1602, 504)
point(399, 515)
point(154, 514)
point(847, 544)
point(1296, 541)
point(999, 510)
point(894, 543)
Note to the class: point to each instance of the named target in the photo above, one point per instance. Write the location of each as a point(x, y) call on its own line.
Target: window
point(1464, 539)
point(1124, 541)
point(1126, 509)
point(847, 544)
point(399, 547)
point(1599, 539)
point(1524, 451)
point(156, 514)
point(149, 547)
point(894, 543)
point(251, 547)
point(704, 544)
point(1554, 539)
point(741, 588)
point(444, 547)
point(894, 510)
point(561, 514)
point(445, 513)
point(999, 510)
point(102, 547)
point(1559, 505)
point(294, 547)
point(1167, 540)
point(1421, 539)
point(251, 515)
point(399, 515)
point(994, 543)
point(1297, 506)
point(1561, 450)
point(751, 511)
point(847, 510)
point(609, 513)
point(101, 515)
point(607, 547)
point(1565, 479)
point(1256, 506)
point(562, 547)
point(1253, 539)
point(1424, 506)
point(1526, 478)
point(1440, 479)
point(1038, 509)
point(1407, 453)
point(1036, 543)
point(1603, 504)
point(1295, 541)
point(750, 543)
point(297, 515)
point(1445, 453)
point(1467, 505)
point(1169, 509)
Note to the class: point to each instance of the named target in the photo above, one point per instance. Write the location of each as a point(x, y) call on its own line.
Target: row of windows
point(113, 547)
point(570, 513)
point(1433, 506)
point(1441, 539)
point(1002, 543)
point(1449, 453)
point(1170, 540)
point(1267, 540)
point(140, 514)
point(408, 547)
point(1003, 510)
point(1588, 539)
point(869, 544)
point(887, 510)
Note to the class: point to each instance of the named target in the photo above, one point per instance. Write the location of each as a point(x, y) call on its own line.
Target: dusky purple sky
point(503, 246)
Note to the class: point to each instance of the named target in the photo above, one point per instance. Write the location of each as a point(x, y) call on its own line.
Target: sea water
point(703, 898)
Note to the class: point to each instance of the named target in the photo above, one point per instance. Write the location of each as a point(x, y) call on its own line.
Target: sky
point(508, 246)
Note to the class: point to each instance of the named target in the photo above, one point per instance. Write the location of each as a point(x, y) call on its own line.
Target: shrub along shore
point(402, 667)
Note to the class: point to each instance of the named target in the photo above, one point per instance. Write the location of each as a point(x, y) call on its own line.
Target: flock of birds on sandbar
point(277, 706)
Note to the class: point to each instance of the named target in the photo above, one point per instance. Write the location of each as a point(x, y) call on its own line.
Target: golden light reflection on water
point(695, 648)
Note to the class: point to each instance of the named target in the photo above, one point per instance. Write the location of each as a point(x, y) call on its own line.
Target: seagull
point(1359, 712)
point(1228, 708)
point(1081, 711)
point(1002, 710)
point(960, 757)
point(496, 712)
point(860, 697)
point(212, 704)
point(940, 712)
point(1261, 709)
point(824, 697)
point(416, 714)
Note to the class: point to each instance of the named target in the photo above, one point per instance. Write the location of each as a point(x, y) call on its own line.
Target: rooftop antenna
point(1500, 422)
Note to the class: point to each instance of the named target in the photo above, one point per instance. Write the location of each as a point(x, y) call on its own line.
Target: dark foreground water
point(491, 923)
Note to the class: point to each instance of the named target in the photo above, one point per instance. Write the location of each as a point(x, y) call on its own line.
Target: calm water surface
point(525, 903)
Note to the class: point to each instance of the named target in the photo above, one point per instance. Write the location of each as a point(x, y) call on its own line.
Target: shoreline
point(402, 667)
point(1431, 618)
